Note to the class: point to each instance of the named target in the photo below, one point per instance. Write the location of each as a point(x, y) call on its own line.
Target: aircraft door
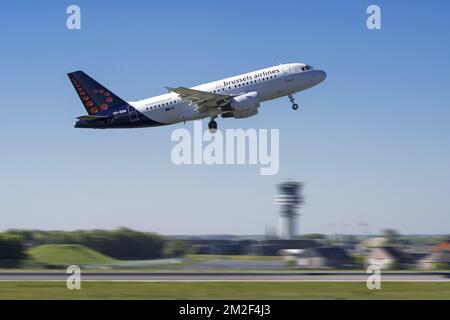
point(133, 114)
point(288, 74)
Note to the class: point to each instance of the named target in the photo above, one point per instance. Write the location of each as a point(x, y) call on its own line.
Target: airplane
point(235, 97)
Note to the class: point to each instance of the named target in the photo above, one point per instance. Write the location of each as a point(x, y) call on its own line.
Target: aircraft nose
point(321, 75)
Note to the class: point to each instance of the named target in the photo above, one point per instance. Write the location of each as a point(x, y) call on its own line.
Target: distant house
point(436, 260)
point(324, 258)
point(443, 246)
point(416, 253)
point(388, 257)
point(417, 249)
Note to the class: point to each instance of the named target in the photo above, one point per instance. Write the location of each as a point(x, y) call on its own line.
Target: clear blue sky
point(372, 143)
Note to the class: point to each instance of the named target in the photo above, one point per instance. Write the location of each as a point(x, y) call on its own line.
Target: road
point(226, 276)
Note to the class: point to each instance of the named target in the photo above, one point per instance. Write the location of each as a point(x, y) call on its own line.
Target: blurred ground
point(223, 290)
point(243, 276)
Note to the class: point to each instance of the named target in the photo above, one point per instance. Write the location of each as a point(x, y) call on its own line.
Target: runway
point(227, 276)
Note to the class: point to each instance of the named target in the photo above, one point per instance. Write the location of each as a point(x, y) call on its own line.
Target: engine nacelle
point(245, 105)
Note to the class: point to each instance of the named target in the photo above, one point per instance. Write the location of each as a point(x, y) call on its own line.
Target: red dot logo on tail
point(93, 110)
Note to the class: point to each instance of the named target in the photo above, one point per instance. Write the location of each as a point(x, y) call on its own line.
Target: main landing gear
point(212, 125)
point(292, 99)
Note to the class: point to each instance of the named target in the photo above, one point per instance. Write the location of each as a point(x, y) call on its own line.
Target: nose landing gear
point(212, 125)
point(292, 100)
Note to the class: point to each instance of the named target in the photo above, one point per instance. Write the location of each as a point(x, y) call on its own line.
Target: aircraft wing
point(204, 100)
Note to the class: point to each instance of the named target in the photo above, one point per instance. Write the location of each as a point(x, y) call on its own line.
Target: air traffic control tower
point(289, 199)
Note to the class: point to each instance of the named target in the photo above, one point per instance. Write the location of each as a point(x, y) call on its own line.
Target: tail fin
point(96, 98)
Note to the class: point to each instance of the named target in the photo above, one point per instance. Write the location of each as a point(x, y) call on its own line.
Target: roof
point(418, 249)
point(393, 252)
point(374, 242)
point(443, 246)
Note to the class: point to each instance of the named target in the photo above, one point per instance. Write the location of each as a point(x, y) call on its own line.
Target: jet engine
point(245, 105)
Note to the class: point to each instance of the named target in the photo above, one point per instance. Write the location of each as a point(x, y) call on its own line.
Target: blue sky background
point(372, 143)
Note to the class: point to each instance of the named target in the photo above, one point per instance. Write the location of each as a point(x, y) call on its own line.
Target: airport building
point(252, 247)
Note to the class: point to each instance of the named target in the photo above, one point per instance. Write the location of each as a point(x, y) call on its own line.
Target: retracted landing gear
point(212, 125)
point(292, 99)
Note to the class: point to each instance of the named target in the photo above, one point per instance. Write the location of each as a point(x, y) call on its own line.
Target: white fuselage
point(269, 83)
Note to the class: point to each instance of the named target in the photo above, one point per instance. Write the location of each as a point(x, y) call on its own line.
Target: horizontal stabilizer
point(92, 118)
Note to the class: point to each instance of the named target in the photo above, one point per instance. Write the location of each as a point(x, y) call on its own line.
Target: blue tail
point(98, 100)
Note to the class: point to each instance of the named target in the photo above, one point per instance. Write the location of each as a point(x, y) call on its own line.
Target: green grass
point(65, 254)
point(224, 290)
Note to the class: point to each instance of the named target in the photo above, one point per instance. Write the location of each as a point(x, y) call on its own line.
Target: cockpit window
point(300, 68)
